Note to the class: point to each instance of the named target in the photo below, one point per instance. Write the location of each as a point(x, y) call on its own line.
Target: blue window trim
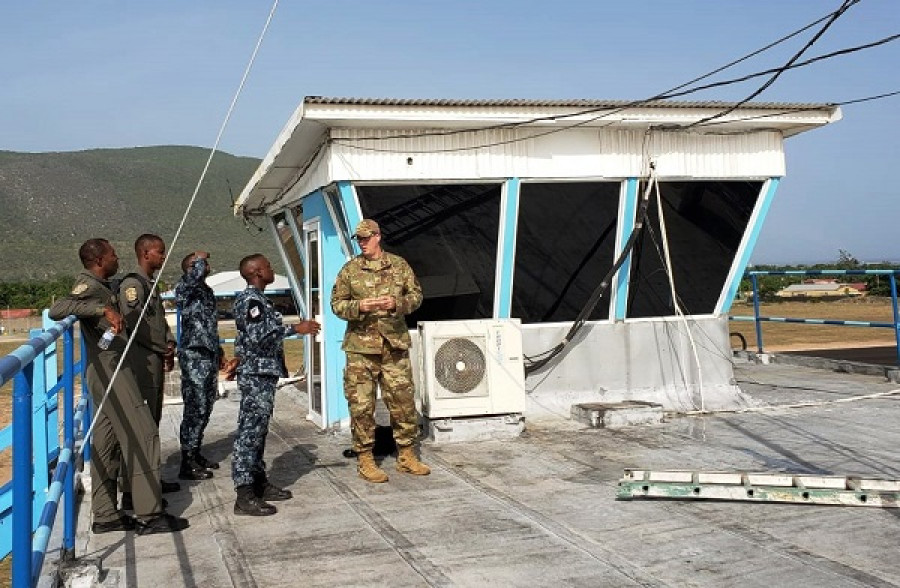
point(743, 256)
point(626, 225)
point(351, 208)
point(506, 248)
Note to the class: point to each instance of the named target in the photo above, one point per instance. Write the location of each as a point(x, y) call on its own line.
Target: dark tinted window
point(448, 234)
point(705, 222)
point(565, 244)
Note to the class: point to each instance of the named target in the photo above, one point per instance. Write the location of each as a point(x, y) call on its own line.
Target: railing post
point(23, 470)
point(89, 410)
point(39, 439)
point(896, 314)
point(759, 339)
point(68, 552)
point(52, 375)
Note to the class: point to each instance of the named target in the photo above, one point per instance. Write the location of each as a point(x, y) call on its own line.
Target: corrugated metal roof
point(567, 103)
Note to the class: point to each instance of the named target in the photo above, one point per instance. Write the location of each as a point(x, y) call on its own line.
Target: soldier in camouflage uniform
point(154, 344)
point(260, 348)
point(373, 292)
point(123, 427)
point(199, 357)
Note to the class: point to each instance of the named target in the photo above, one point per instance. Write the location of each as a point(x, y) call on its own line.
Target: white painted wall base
point(649, 360)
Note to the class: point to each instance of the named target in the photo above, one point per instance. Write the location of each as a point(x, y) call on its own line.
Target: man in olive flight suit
point(123, 426)
point(154, 344)
point(260, 348)
point(373, 292)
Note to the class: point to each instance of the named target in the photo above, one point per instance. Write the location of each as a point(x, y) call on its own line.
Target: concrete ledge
point(612, 415)
point(483, 428)
point(890, 373)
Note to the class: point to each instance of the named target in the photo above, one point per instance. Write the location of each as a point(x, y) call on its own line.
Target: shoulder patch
point(131, 294)
point(79, 288)
point(255, 310)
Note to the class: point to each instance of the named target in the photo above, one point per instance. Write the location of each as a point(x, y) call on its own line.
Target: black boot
point(169, 487)
point(205, 463)
point(191, 470)
point(265, 490)
point(249, 504)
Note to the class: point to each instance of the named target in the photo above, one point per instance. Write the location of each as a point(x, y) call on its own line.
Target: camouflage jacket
point(153, 334)
point(197, 301)
point(260, 334)
point(89, 296)
point(361, 278)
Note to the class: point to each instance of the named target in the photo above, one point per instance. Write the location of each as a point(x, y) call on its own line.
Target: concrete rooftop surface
point(539, 510)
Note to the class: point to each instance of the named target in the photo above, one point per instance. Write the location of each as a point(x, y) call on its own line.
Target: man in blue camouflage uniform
point(260, 350)
point(374, 292)
point(199, 357)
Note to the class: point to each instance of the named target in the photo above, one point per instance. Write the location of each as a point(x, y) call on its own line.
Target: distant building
point(822, 289)
point(226, 285)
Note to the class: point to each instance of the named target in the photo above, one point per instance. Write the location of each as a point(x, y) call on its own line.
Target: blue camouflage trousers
point(257, 403)
point(199, 375)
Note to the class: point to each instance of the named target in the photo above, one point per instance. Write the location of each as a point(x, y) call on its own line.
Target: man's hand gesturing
point(307, 328)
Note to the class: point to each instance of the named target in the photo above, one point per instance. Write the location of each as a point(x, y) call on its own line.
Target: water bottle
point(106, 339)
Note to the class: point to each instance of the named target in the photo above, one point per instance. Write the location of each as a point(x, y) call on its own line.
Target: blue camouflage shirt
point(199, 323)
point(260, 334)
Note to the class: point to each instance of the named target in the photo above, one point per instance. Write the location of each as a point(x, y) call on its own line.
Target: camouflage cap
point(366, 228)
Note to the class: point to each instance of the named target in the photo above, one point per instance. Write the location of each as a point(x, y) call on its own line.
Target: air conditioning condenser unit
point(471, 368)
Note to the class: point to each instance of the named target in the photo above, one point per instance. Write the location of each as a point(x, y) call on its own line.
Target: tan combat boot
point(409, 463)
point(368, 469)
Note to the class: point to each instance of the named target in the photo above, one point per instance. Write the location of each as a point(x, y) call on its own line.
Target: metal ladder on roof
point(759, 487)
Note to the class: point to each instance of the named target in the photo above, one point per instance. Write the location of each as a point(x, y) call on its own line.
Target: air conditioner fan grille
point(459, 365)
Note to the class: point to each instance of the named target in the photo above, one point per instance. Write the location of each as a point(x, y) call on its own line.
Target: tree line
point(34, 294)
point(769, 285)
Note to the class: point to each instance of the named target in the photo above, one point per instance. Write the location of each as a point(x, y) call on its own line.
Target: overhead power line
point(672, 92)
point(840, 12)
point(797, 65)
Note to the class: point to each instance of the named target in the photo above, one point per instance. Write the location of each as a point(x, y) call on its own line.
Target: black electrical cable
point(810, 61)
point(837, 14)
point(532, 363)
point(662, 96)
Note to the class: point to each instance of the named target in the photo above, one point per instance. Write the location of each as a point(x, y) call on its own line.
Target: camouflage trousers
point(257, 403)
point(199, 375)
point(393, 372)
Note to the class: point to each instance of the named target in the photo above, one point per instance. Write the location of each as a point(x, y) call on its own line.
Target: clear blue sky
point(80, 75)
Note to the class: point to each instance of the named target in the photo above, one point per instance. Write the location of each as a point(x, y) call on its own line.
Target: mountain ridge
point(52, 202)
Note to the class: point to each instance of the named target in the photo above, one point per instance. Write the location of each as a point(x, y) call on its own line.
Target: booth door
point(314, 380)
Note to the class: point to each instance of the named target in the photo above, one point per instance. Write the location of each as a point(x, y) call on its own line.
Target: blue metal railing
point(34, 425)
point(759, 320)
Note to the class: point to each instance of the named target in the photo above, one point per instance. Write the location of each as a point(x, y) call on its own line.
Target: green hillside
point(50, 203)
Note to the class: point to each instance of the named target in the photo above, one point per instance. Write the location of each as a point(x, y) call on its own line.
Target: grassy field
point(793, 336)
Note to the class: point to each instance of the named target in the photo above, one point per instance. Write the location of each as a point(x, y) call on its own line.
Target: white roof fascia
point(301, 139)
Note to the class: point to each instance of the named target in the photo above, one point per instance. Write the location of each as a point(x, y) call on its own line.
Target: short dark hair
point(91, 251)
point(187, 261)
point(247, 262)
point(145, 242)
